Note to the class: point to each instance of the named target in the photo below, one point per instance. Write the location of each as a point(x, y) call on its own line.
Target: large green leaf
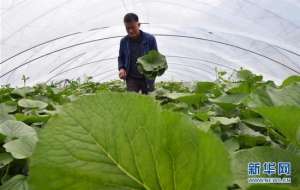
point(229, 101)
point(4, 110)
point(207, 87)
point(126, 141)
point(4, 117)
point(195, 100)
point(23, 91)
point(263, 154)
point(248, 137)
point(257, 122)
point(290, 80)
point(27, 103)
point(270, 96)
point(20, 138)
point(152, 64)
point(234, 99)
point(286, 119)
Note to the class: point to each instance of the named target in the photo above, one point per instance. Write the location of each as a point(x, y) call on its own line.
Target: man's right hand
point(122, 73)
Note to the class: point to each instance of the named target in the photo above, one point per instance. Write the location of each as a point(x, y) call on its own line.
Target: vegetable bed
point(201, 135)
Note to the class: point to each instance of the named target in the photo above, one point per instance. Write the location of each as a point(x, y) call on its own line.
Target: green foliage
point(5, 158)
point(20, 138)
point(263, 154)
point(285, 119)
point(17, 182)
point(178, 87)
point(27, 103)
point(23, 91)
point(291, 80)
point(146, 148)
point(152, 64)
point(272, 96)
point(253, 119)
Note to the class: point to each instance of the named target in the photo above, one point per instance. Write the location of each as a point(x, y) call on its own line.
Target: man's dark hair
point(131, 17)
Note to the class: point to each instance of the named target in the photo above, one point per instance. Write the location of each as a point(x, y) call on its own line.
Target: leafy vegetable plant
point(126, 141)
point(152, 64)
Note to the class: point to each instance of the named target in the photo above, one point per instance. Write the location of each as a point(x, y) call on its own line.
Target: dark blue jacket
point(148, 43)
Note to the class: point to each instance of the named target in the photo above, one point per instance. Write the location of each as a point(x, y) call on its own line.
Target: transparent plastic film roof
point(49, 40)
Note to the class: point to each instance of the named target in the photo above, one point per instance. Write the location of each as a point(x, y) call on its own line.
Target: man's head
point(132, 25)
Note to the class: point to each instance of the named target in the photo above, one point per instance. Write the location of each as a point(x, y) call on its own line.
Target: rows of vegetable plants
point(84, 135)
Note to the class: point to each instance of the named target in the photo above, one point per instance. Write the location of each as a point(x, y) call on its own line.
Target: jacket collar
point(142, 35)
point(139, 39)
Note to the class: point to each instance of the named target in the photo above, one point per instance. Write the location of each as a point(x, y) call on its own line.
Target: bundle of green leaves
point(152, 64)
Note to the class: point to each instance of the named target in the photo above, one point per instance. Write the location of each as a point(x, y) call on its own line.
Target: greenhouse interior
point(150, 95)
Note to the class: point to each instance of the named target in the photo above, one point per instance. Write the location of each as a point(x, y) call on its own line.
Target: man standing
point(134, 45)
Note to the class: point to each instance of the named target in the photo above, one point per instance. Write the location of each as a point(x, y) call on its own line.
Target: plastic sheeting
point(49, 40)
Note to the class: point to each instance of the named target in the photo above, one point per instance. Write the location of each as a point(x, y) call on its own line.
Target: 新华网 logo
point(272, 172)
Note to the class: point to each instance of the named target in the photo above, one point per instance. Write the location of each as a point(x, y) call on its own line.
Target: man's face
point(133, 29)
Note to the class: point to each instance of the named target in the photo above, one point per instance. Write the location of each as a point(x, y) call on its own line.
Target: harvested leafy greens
point(152, 64)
